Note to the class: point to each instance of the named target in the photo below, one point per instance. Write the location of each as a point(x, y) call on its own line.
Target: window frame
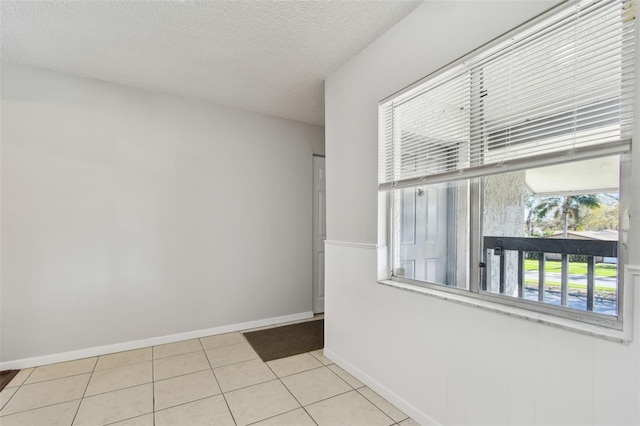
point(611, 327)
point(476, 255)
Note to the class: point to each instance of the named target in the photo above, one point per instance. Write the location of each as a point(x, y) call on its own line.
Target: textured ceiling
point(265, 56)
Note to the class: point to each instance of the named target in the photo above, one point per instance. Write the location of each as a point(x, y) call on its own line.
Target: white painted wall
point(129, 215)
point(440, 361)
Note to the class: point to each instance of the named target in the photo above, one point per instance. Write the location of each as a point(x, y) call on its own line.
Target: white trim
point(409, 409)
point(623, 336)
point(633, 269)
point(548, 159)
point(368, 246)
point(137, 344)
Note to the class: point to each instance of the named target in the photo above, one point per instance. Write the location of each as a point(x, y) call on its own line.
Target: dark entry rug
point(287, 340)
point(6, 376)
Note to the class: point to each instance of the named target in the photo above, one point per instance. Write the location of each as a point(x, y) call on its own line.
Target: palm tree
point(565, 208)
point(530, 205)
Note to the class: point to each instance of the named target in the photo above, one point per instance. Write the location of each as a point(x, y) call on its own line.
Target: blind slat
point(564, 86)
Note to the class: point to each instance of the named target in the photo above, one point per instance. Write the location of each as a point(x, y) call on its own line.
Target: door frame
point(319, 232)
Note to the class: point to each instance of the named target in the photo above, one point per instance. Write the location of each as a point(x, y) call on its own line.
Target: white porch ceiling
point(600, 175)
point(269, 57)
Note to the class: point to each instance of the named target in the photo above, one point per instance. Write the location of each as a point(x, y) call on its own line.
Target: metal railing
point(590, 249)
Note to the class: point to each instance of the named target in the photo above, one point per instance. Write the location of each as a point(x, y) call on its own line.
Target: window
point(504, 172)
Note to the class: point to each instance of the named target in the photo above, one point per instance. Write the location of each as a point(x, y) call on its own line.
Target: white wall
point(129, 215)
point(440, 361)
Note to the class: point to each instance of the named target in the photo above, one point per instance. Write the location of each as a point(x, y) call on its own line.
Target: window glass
point(562, 219)
point(430, 233)
point(565, 214)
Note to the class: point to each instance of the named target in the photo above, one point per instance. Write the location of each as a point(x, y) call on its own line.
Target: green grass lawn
point(574, 286)
point(577, 268)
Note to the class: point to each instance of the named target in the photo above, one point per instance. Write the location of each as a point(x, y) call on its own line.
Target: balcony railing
point(590, 249)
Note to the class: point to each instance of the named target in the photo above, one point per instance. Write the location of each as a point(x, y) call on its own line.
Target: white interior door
point(423, 239)
point(319, 232)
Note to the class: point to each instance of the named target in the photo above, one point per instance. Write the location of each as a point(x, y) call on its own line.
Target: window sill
point(470, 299)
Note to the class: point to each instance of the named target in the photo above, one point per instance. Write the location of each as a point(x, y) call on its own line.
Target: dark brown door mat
point(287, 340)
point(6, 376)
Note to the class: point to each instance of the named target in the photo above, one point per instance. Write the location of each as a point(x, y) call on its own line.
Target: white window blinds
point(560, 90)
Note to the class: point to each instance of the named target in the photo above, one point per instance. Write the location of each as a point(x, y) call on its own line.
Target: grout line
point(281, 414)
point(235, 363)
point(379, 408)
point(112, 390)
point(199, 339)
point(116, 390)
point(183, 403)
point(345, 380)
point(153, 390)
point(124, 365)
point(56, 378)
point(25, 379)
point(319, 360)
point(299, 372)
point(153, 359)
point(85, 391)
point(180, 375)
point(339, 377)
point(10, 398)
point(218, 383)
point(39, 407)
point(333, 396)
point(240, 332)
point(291, 393)
point(255, 384)
point(356, 391)
point(17, 390)
point(175, 355)
point(129, 418)
point(226, 346)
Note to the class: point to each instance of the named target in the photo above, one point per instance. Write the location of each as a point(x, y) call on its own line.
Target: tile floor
point(216, 380)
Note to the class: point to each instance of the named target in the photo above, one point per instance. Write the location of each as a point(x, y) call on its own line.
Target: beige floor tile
point(20, 378)
point(62, 369)
point(314, 385)
point(349, 409)
point(409, 422)
point(119, 378)
point(145, 420)
point(388, 408)
point(181, 389)
point(297, 417)
point(294, 364)
point(5, 395)
point(53, 415)
point(231, 354)
point(210, 411)
point(352, 381)
point(121, 359)
point(177, 348)
point(320, 357)
point(46, 393)
point(178, 365)
point(243, 374)
point(115, 406)
point(220, 340)
point(260, 402)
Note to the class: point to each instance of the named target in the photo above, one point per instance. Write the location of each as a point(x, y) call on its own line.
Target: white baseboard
point(137, 344)
point(409, 409)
